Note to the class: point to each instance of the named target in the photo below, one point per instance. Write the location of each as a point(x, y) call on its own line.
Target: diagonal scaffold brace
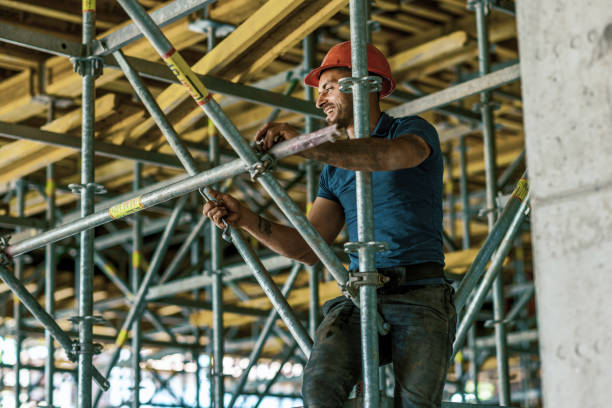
point(41, 314)
point(204, 99)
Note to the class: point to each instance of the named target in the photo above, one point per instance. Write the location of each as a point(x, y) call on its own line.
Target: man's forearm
point(281, 239)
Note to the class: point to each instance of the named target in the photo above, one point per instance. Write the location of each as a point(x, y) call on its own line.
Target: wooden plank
point(23, 157)
point(51, 13)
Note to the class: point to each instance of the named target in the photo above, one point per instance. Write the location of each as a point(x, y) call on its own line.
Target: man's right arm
point(325, 215)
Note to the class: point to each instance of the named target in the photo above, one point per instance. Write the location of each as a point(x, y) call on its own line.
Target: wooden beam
point(23, 157)
point(51, 13)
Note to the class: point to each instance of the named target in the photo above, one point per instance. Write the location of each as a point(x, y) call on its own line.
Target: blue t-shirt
point(407, 202)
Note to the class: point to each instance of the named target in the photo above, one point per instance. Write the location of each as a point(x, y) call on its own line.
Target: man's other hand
point(272, 133)
point(224, 207)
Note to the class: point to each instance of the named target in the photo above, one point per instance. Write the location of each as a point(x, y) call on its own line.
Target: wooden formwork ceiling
point(431, 45)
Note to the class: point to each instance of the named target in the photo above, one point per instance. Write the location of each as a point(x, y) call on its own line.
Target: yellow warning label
point(136, 257)
point(521, 189)
point(122, 337)
point(125, 208)
point(212, 130)
point(50, 188)
point(183, 72)
point(109, 269)
point(89, 5)
point(308, 207)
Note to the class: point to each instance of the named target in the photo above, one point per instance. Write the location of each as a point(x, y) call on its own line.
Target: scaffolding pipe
point(491, 191)
point(492, 242)
point(311, 192)
point(215, 265)
point(50, 284)
point(465, 242)
point(263, 336)
point(365, 215)
point(135, 266)
point(490, 276)
point(86, 68)
point(44, 318)
point(168, 192)
point(140, 301)
point(18, 264)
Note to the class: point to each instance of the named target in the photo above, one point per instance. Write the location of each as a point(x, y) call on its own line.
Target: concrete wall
point(566, 68)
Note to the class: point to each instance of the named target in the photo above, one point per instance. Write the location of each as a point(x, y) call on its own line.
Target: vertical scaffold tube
point(365, 215)
point(135, 278)
point(215, 265)
point(491, 191)
point(50, 286)
point(311, 191)
point(85, 289)
point(18, 262)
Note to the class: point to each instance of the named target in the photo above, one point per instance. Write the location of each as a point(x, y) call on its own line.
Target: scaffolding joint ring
point(97, 189)
point(357, 245)
point(90, 65)
point(5, 257)
point(372, 83)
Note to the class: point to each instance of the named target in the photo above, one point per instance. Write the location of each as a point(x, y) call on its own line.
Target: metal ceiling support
point(216, 259)
point(481, 11)
point(50, 286)
point(34, 40)
point(17, 312)
point(135, 270)
point(311, 191)
point(89, 68)
point(360, 85)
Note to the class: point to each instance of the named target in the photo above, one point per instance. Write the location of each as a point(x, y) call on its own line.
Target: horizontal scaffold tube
point(138, 203)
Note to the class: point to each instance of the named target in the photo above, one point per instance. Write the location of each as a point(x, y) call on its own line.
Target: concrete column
point(566, 69)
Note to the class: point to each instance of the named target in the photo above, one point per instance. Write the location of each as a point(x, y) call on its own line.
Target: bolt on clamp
point(372, 83)
point(91, 65)
point(5, 259)
point(86, 348)
point(358, 279)
point(265, 163)
point(98, 189)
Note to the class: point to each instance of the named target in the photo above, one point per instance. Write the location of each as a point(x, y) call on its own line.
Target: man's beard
point(344, 117)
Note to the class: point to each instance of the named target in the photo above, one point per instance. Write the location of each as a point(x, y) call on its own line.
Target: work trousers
point(419, 344)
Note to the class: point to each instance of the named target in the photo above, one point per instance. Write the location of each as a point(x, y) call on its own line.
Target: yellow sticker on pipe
point(89, 5)
point(308, 207)
point(122, 337)
point(136, 257)
point(125, 208)
point(521, 189)
point(188, 78)
point(50, 187)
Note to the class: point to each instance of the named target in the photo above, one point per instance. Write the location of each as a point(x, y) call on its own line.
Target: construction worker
point(404, 157)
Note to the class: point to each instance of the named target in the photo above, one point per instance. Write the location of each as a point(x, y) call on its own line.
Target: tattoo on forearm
point(264, 226)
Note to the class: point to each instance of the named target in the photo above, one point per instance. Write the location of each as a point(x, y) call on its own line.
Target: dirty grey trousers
point(419, 344)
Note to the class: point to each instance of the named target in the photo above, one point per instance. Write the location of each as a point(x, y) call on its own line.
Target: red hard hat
point(340, 56)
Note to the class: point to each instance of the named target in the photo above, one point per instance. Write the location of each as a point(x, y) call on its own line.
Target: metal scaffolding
point(149, 283)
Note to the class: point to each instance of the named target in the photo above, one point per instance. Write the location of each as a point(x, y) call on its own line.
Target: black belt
point(417, 274)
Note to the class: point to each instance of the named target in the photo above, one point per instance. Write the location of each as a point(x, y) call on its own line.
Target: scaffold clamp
point(91, 65)
point(265, 162)
point(372, 83)
point(357, 245)
point(5, 258)
point(98, 189)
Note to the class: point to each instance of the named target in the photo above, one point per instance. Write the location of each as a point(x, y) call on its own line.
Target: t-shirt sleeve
point(324, 188)
point(420, 127)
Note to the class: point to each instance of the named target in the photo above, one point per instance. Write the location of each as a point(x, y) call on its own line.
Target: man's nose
point(320, 100)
